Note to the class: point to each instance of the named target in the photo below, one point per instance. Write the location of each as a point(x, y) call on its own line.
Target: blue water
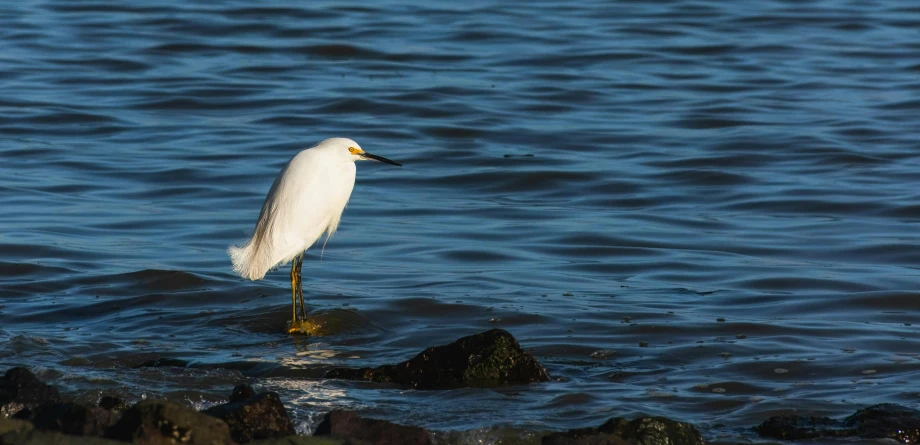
point(736, 186)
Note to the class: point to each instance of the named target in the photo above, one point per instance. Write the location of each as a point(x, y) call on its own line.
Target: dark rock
point(254, 417)
point(155, 422)
point(37, 437)
point(163, 362)
point(301, 440)
point(73, 418)
point(241, 392)
point(112, 403)
point(619, 431)
point(352, 428)
point(24, 414)
point(20, 389)
point(491, 358)
point(583, 436)
point(791, 427)
point(886, 420)
point(882, 421)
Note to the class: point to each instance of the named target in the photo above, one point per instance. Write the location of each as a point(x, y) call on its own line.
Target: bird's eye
point(353, 150)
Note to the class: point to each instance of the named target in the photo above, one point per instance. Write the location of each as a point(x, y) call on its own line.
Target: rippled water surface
point(724, 197)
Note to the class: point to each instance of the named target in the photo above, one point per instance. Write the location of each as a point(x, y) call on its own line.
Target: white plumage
point(306, 200)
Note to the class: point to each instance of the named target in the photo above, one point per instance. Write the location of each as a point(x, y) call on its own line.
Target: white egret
point(306, 200)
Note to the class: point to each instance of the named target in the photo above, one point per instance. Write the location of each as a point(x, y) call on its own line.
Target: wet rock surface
point(21, 389)
point(157, 422)
point(491, 358)
point(883, 421)
point(112, 403)
point(252, 416)
point(72, 418)
point(619, 431)
point(241, 392)
point(352, 428)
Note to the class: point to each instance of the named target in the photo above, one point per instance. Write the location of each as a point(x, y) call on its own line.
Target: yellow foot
point(304, 327)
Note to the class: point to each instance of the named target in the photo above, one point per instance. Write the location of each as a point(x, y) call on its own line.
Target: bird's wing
point(293, 215)
point(306, 199)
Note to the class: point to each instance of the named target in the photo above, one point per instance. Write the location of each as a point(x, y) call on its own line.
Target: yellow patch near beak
point(355, 151)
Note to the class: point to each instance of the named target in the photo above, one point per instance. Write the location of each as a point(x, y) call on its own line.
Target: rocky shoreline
point(33, 412)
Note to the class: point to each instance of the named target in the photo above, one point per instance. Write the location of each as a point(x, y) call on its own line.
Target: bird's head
point(350, 148)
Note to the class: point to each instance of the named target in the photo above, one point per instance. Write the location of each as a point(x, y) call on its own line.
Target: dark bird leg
point(293, 295)
point(303, 310)
point(301, 326)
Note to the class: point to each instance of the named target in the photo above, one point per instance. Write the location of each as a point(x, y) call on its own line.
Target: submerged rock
point(20, 389)
point(641, 431)
point(155, 422)
point(347, 425)
point(491, 358)
point(882, 421)
point(800, 427)
point(252, 416)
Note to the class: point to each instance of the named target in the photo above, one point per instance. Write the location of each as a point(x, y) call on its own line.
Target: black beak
point(380, 158)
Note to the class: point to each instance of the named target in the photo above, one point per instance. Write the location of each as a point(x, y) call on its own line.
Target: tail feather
point(247, 262)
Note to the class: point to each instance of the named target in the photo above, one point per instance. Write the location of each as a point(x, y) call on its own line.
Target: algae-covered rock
point(14, 426)
point(20, 389)
point(352, 428)
point(641, 431)
point(155, 422)
point(253, 416)
point(655, 430)
point(491, 358)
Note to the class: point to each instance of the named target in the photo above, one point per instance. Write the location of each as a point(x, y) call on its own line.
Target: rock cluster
point(32, 412)
point(37, 416)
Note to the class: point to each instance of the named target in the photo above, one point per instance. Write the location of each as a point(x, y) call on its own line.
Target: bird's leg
point(293, 295)
point(301, 326)
point(303, 310)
